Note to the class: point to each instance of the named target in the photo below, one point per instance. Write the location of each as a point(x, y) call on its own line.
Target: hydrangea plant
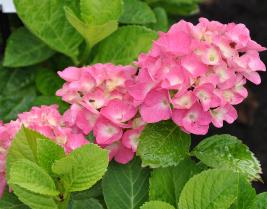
point(122, 140)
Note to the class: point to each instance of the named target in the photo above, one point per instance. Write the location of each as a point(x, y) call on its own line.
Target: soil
point(251, 126)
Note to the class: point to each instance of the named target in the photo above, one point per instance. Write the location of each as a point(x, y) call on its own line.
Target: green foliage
point(32, 159)
point(211, 189)
point(125, 186)
point(136, 39)
point(99, 18)
point(47, 153)
point(245, 196)
point(157, 205)
point(17, 91)
point(163, 144)
point(47, 82)
point(162, 23)
point(137, 12)
point(98, 12)
point(28, 175)
point(166, 184)
point(90, 203)
point(33, 200)
point(225, 151)
point(24, 49)
point(10, 201)
point(46, 19)
point(260, 202)
point(177, 7)
point(82, 168)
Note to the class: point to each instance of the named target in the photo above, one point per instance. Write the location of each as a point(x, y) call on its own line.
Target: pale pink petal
point(156, 107)
point(106, 132)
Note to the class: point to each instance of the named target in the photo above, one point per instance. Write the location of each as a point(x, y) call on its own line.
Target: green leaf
point(23, 146)
point(90, 203)
point(245, 196)
point(157, 205)
point(137, 12)
point(82, 168)
point(47, 153)
point(50, 100)
point(46, 19)
point(48, 82)
point(166, 184)
point(260, 202)
point(211, 189)
point(125, 186)
point(98, 12)
point(24, 49)
point(162, 23)
point(92, 33)
point(30, 176)
point(17, 92)
point(226, 151)
point(163, 144)
point(93, 192)
point(33, 200)
point(10, 201)
point(136, 39)
point(177, 7)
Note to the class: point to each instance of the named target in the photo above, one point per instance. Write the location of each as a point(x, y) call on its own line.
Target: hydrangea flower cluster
point(100, 103)
point(195, 74)
point(45, 120)
point(7, 133)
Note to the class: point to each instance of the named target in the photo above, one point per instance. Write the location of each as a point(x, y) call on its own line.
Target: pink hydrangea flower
point(101, 103)
point(49, 122)
point(194, 74)
point(7, 133)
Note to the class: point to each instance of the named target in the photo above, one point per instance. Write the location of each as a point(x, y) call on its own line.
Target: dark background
point(251, 125)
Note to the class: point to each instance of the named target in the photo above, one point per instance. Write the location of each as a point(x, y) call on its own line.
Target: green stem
point(85, 55)
point(63, 204)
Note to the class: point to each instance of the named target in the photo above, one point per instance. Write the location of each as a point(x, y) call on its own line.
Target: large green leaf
point(47, 153)
point(48, 82)
point(226, 151)
point(92, 33)
point(157, 205)
point(89, 203)
point(23, 146)
point(33, 200)
point(125, 186)
point(177, 7)
point(17, 92)
point(24, 49)
point(163, 144)
point(30, 176)
point(137, 12)
point(245, 196)
point(260, 202)
point(162, 23)
point(10, 201)
point(166, 184)
point(212, 189)
point(46, 19)
point(82, 168)
point(98, 12)
point(124, 45)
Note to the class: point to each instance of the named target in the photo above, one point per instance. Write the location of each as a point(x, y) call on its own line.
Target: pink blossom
point(202, 70)
point(101, 103)
point(120, 153)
